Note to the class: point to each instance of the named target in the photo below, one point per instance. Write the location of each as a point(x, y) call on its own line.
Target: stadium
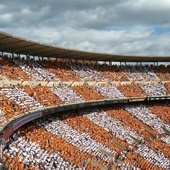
point(69, 109)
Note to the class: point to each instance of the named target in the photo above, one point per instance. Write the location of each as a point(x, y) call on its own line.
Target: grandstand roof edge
point(11, 43)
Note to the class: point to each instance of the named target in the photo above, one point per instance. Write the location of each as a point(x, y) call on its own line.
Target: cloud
point(135, 27)
point(5, 18)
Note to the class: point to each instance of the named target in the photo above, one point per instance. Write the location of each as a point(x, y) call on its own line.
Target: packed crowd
point(154, 89)
point(34, 157)
point(139, 73)
point(115, 127)
point(146, 132)
point(43, 95)
point(9, 108)
point(86, 72)
point(71, 135)
point(20, 69)
point(113, 72)
point(87, 92)
point(9, 69)
point(167, 86)
point(60, 70)
point(67, 94)
point(77, 139)
point(142, 112)
point(109, 91)
point(129, 136)
point(162, 72)
point(19, 99)
point(16, 100)
point(161, 110)
point(131, 90)
point(34, 69)
point(100, 118)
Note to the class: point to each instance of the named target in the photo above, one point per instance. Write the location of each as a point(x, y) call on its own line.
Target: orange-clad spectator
point(167, 86)
point(161, 110)
point(131, 90)
point(88, 93)
point(162, 72)
point(61, 70)
point(112, 73)
point(12, 71)
point(9, 108)
point(43, 95)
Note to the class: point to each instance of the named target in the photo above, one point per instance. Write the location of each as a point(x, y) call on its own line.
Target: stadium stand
point(162, 72)
point(154, 89)
point(61, 70)
point(129, 134)
point(112, 72)
point(139, 73)
point(109, 91)
point(87, 92)
point(167, 86)
point(131, 90)
point(11, 71)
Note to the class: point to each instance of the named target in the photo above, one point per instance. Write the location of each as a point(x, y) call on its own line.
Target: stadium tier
point(65, 114)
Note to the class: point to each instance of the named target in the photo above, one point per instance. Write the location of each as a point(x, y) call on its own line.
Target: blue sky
point(132, 27)
point(158, 30)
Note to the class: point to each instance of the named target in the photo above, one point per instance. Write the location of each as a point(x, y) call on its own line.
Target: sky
point(130, 27)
